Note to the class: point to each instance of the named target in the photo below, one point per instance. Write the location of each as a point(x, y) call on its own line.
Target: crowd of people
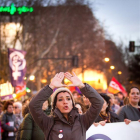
point(56, 112)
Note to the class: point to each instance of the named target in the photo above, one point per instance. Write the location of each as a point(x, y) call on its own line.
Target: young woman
point(66, 123)
point(106, 115)
point(131, 112)
point(8, 122)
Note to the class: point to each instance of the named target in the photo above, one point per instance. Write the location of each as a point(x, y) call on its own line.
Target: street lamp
point(44, 81)
point(112, 67)
point(106, 59)
point(32, 77)
point(119, 72)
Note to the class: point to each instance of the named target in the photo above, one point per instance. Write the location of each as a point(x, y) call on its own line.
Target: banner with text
point(115, 87)
point(17, 65)
point(114, 131)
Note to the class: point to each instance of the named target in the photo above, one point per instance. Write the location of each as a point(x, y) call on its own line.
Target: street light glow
point(112, 67)
point(106, 59)
point(32, 77)
point(119, 72)
point(28, 90)
point(14, 95)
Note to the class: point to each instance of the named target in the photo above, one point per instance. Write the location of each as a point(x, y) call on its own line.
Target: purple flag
point(17, 65)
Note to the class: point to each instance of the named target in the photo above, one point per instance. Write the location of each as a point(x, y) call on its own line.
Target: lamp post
point(32, 78)
point(119, 73)
point(106, 59)
point(112, 67)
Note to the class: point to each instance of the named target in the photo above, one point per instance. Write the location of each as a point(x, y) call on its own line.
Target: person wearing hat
point(65, 121)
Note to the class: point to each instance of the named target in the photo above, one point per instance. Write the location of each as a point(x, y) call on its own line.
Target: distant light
point(32, 77)
point(25, 78)
point(14, 95)
point(43, 81)
point(119, 72)
point(106, 59)
point(131, 82)
point(28, 90)
point(112, 67)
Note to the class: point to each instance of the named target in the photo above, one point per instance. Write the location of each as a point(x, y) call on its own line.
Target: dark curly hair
point(6, 104)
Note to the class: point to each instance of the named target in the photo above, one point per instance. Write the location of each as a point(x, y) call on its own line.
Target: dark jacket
point(6, 118)
point(113, 118)
point(57, 126)
point(128, 112)
point(29, 130)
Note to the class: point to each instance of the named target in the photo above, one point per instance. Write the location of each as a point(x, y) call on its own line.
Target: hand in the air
point(74, 79)
point(57, 81)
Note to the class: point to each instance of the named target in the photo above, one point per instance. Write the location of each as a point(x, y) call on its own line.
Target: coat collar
point(72, 115)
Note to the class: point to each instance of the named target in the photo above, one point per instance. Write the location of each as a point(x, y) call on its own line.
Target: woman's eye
point(68, 98)
point(59, 99)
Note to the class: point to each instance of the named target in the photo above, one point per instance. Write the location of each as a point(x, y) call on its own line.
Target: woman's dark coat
point(6, 118)
point(56, 127)
point(29, 130)
point(113, 118)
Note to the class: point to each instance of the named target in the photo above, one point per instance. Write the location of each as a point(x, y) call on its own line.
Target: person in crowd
point(121, 97)
point(131, 112)
point(1, 112)
point(126, 101)
point(8, 122)
point(66, 122)
point(106, 115)
point(117, 100)
point(77, 96)
point(86, 102)
point(80, 107)
point(1, 109)
point(26, 101)
point(18, 111)
point(29, 130)
point(114, 107)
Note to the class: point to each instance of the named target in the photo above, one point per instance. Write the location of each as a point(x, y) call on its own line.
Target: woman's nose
point(65, 101)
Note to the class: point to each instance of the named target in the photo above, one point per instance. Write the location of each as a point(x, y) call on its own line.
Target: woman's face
point(134, 96)
point(86, 101)
point(16, 110)
point(10, 109)
point(79, 109)
point(104, 106)
point(64, 102)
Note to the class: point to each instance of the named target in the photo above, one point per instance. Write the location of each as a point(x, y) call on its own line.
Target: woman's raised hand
point(57, 81)
point(74, 79)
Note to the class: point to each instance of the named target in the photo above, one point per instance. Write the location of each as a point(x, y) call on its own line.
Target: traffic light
point(131, 46)
point(75, 61)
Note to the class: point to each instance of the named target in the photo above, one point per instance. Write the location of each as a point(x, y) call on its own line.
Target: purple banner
point(7, 97)
point(17, 65)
